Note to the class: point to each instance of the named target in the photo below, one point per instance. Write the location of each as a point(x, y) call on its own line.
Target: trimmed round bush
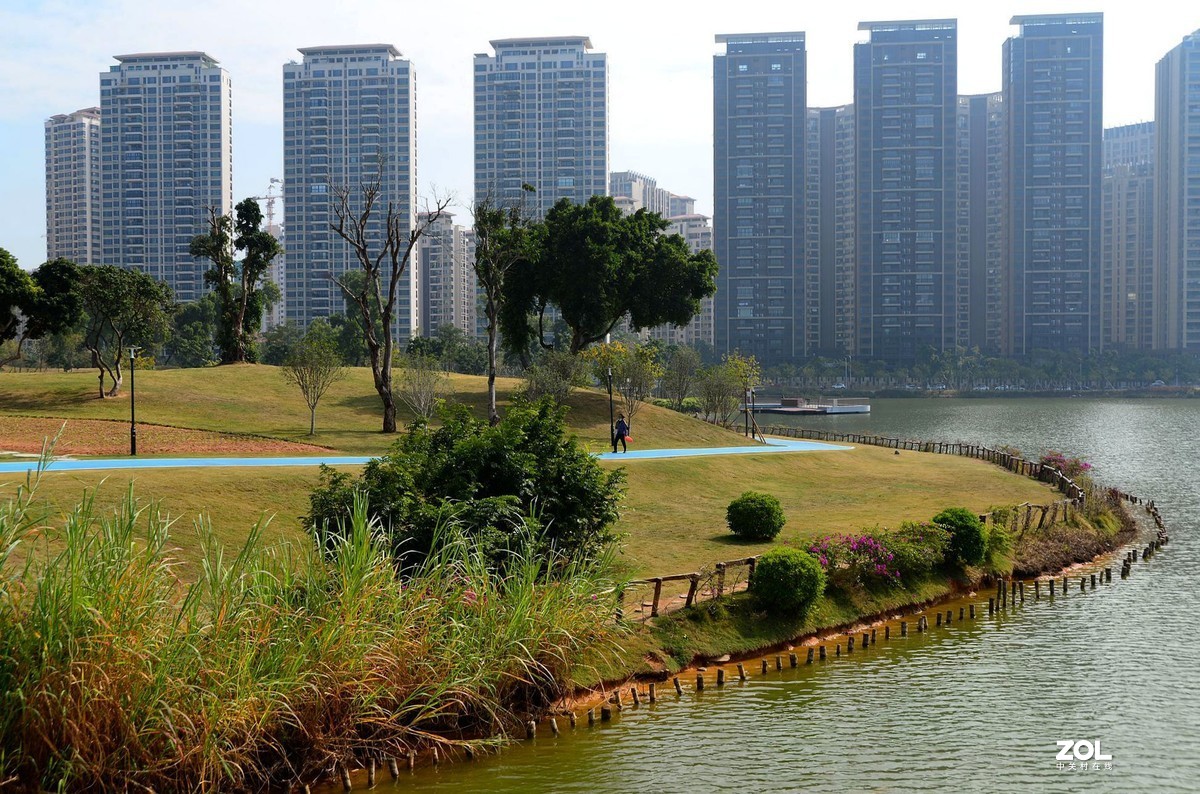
point(786, 581)
point(968, 542)
point(755, 516)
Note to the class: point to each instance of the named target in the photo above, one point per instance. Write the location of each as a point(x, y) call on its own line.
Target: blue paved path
point(99, 464)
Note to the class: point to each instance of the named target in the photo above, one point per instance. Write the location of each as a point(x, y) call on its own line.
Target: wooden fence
point(713, 582)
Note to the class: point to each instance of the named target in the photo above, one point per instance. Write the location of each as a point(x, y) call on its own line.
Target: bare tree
point(313, 365)
point(422, 383)
point(501, 242)
point(384, 246)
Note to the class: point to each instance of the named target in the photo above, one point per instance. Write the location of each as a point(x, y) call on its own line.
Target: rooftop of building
point(181, 55)
point(334, 49)
point(909, 24)
point(85, 113)
point(1025, 20)
point(761, 38)
point(541, 41)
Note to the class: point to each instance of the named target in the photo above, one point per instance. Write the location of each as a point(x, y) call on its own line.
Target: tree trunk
point(312, 421)
point(389, 412)
point(493, 341)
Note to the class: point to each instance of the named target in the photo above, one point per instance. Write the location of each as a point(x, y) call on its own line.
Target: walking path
point(773, 445)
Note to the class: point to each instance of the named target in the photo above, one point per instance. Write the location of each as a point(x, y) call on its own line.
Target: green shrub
point(755, 516)
point(786, 581)
point(999, 544)
point(967, 541)
point(918, 548)
point(487, 481)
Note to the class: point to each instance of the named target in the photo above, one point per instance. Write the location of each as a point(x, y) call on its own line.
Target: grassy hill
point(253, 398)
point(673, 517)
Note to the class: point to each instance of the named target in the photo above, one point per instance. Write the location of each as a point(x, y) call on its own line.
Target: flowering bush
point(863, 560)
point(1072, 467)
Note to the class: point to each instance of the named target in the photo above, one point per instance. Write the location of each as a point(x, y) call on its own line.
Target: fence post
point(657, 595)
point(691, 596)
point(720, 579)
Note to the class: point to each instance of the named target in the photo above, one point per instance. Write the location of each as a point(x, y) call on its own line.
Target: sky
point(659, 55)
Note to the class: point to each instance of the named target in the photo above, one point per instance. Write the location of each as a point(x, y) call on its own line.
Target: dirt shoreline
point(599, 694)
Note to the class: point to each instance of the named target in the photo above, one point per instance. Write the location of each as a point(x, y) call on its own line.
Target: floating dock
point(821, 405)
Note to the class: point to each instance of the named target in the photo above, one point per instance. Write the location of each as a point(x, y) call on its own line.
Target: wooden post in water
point(809, 659)
point(1022, 591)
point(605, 714)
point(972, 612)
point(792, 659)
point(873, 636)
point(887, 633)
point(530, 729)
point(637, 700)
point(741, 672)
point(866, 640)
point(571, 714)
point(822, 653)
point(1093, 581)
point(1083, 584)
point(678, 688)
point(1037, 590)
point(591, 717)
point(991, 607)
point(1052, 588)
point(849, 643)
point(764, 666)
point(939, 617)
point(554, 725)
point(837, 649)
point(720, 676)
point(653, 694)
point(347, 783)
point(904, 628)
point(779, 663)
point(699, 682)
point(962, 611)
point(435, 757)
point(1066, 584)
point(393, 768)
point(1108, 575)
point(411, 759)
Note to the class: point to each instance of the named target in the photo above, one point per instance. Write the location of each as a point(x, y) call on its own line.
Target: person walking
point(620, 433)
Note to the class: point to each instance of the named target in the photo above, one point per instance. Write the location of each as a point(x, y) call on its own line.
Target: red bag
point(629, 438)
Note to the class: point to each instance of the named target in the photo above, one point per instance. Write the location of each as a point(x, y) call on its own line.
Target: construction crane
point(270, 199)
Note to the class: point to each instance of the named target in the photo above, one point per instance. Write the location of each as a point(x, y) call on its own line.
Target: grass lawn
point(674, 514)
point(254, 399)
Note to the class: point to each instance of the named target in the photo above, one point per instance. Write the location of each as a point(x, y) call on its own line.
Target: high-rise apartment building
point(541, 119)
point(1053, 83)
point(829, 236)
point(697, 231)
point(448, 286)
point(633, 191)
point(980, 277)
point(1127, 237)
point(1177, 196)
point(905, 107)
point(349, 120)
point(73, 186)
point(166, 159)
point(759, 112)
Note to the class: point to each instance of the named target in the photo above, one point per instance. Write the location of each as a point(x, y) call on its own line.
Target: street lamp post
point(612, 425)
point(132, 403)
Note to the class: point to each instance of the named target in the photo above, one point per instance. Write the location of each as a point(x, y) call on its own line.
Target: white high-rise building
point(349, 119)
point(448, 284)
point(73, 186)
point(166, 158)
point(541, 119)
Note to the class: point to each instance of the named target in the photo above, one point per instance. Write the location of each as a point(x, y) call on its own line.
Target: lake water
point(978, 706)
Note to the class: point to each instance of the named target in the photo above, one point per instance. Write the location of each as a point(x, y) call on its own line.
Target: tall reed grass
point(276, 663)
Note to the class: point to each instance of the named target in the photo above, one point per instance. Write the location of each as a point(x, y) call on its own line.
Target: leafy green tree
point(278, 343)
point(480, 478)
point(313, 365)
point(38, 304)
point(679, 374)
point(595, 266)
point(194, 330)
point(635, 372)
point(122, 307)
point(239, 286)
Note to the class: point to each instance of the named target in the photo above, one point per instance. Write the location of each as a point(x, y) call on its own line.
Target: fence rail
point(1019, 518)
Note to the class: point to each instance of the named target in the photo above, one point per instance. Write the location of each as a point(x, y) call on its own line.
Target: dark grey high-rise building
point(1053, 81)
point(905, 99)
point(1127, 237)
point(829, 234)
point(981, 263)
point(1177, 203)
point(759, 110)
